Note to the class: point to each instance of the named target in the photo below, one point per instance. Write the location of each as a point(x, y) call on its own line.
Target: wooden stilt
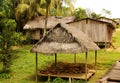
point(86, 59)
point(75, 58)
point(70, 80)
point(55, 59)
point(36, 66)
point(95, 59)
point(48, 78)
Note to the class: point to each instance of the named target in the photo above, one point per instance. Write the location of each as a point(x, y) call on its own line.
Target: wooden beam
point(86, 60)
point(36, 66)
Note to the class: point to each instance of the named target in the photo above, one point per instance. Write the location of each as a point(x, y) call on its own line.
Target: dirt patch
point(118, 29)
point(112, 49)
point(70, 68)
point(118, 49)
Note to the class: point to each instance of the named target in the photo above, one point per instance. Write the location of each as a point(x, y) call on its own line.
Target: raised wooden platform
point(67, 75)
point(111, 76)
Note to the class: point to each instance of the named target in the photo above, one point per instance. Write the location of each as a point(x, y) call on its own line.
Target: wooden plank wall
point(97, 31)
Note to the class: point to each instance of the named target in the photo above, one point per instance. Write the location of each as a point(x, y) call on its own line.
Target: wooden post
point(105, 46)
point(75, 58)
point(95, 59)
point(70, 80)
point(55, 59)
point(36, 66)
point(86, 59)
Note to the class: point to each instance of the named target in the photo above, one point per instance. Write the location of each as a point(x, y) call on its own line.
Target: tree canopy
point(8, 36)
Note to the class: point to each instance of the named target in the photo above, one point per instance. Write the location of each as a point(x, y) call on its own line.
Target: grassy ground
point(23, 68)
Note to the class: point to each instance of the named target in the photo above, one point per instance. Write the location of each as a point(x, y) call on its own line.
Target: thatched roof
point(39, 22)
point(96, 20)
point(64, 39)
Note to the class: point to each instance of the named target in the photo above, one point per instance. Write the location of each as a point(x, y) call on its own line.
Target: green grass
point(23, 68)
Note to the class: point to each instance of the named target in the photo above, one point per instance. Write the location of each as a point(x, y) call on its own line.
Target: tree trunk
point(46, 16)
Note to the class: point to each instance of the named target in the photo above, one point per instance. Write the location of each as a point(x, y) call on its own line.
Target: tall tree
point(56, 6)
point(8, 36)
point(46, 16)
point(26, 10)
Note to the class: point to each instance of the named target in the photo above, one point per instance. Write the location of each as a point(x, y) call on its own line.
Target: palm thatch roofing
point(39, 22)
point(64, 39)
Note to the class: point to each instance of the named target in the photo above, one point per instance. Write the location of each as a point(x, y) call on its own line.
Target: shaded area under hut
point(65, 39)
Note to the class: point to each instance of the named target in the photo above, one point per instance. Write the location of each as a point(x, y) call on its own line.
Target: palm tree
point(26, 10)
point(56, 6)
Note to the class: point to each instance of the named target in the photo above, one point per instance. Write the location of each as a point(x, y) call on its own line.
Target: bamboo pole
point(70, 81)
point(86, 59)
point(95, 59)
point(36, 66)
point(55, 59)
point(75, 58)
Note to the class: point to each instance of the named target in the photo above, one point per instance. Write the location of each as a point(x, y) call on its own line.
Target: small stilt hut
point(34, 28)
point(64, 39)
point(114, 23)
point(99, 31)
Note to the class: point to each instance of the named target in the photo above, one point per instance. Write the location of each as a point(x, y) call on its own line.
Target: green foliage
point(94, 15)
point(6, 7)
point(85, 13)
point(59, 80)
point(4, 75)
point(80, 13)
point(61, 7)
point(8, 38)
point(2, 14)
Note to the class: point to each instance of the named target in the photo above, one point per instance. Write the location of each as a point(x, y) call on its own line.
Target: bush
point(4, 76)
point(8, 38)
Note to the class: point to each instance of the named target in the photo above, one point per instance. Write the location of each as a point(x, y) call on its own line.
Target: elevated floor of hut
point(112, 75)
point(69, 76)
point(68, 70)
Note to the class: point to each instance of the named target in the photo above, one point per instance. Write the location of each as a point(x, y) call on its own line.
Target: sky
point(98, 5)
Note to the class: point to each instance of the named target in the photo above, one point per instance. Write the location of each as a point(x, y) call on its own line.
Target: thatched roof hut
point(39, 22)
point(99, 31)
point(34, 28)
point(64, 39)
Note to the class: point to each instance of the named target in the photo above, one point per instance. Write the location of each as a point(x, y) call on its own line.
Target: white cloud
point(98, 5)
